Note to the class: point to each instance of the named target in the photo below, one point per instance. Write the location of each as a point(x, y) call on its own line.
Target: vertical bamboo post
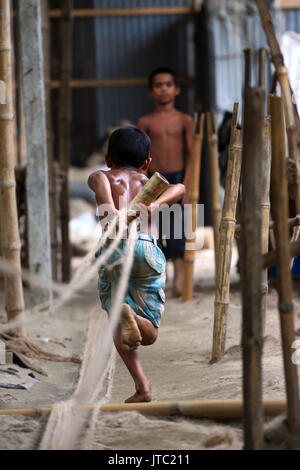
point(50, 156)
point(212, 137)
point(193, 193)
point(251, 266)
point(37, 194)
point(283, 79)
point(10, 238)
point(227, 230)
point(279, 201)
point(265, 209)
point(64, 118)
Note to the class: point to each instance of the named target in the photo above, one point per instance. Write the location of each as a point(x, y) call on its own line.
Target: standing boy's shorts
point(172, 246)
point(145, 293)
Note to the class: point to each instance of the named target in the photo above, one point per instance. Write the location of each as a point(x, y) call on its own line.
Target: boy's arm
point(188, 136)
point(173, 193)
point(100, 184)
point(143, 123)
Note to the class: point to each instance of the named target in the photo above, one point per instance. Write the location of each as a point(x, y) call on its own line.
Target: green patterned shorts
point(145, 293)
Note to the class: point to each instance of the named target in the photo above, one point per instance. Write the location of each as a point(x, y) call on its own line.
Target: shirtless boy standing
point(171, 133)
point(128, 159)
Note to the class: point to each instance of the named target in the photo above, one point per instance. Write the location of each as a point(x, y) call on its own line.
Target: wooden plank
point(99, 12)
point(107, 82)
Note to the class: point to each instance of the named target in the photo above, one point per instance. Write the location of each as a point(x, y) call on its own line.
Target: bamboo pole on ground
point(209, 409)
point(10, 238)
point(212, 137)
point(265, 210)
point(64, 118)
point(227, 229)
point(279, 201)
point(193, 197)
point(283, 79)
point(50, 156)
point(251, 244)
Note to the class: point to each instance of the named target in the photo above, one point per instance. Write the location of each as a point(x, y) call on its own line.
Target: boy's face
point(164, 89)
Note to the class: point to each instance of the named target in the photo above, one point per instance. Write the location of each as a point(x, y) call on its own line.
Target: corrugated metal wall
point(130, 47)
point(232, 26)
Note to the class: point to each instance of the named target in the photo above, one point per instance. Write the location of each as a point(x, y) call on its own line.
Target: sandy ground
point(177, 366)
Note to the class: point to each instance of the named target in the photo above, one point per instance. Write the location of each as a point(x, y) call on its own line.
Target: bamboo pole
point(279, 201)
point(50, 156)
point(212, 137)
point(265, 210)
point(10, 238)
point(193, 197)
point(227, 229)
point(251, 266)
point(209, 409)
point(283, 79)
point(64, 118)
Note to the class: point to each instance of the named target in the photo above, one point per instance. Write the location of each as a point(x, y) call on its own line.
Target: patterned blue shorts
point(145, 293)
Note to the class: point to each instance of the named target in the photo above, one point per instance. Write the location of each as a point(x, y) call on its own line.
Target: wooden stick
point(247, 67)
point(10, 239)
point(97, 12)
point(193, 197)
point(293, 222)
point(64, 117)
point(262, 58)
point(111, 82)
point(209, 409)
point(212, 137)
point(279, 201)
point(265, 210)
point(50, 156)
point(283, 79)
point(227, 228)
point(251, 266)
point(270, 258)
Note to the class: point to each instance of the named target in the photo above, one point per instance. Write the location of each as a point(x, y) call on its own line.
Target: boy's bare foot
point(139, 397)
point(130, 333)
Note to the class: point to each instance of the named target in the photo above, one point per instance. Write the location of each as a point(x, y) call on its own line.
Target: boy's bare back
point(169, 132)
point(125, 183)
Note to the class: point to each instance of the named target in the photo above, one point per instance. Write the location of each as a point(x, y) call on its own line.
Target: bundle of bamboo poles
point(227, 229)
point(193, 197)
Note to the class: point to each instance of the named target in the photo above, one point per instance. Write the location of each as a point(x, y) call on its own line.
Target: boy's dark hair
point(161, 70)
point(129, 145)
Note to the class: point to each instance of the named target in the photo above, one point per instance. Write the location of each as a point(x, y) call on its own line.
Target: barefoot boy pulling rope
point(128, 158)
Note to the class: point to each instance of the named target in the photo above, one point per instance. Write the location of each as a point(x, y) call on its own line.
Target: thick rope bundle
point(71, 423)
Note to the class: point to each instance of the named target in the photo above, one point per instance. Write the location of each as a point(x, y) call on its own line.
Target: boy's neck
point(165, 108)
point(126, 168)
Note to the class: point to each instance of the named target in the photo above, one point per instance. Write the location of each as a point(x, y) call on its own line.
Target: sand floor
point(178, 366)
